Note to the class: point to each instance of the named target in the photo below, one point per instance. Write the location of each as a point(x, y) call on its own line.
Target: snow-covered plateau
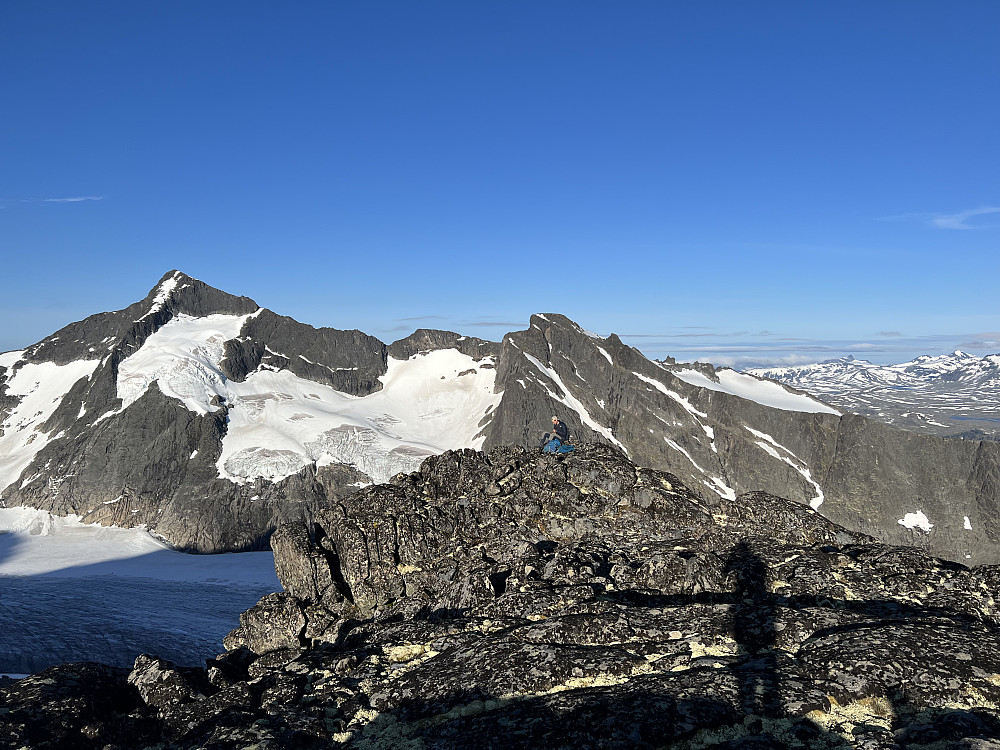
point(82, 592)
point(954, 395)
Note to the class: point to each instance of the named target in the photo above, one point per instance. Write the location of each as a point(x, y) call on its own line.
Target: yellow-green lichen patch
point(780, 729)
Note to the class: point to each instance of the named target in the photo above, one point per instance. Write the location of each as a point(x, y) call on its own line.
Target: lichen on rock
point(506, 599)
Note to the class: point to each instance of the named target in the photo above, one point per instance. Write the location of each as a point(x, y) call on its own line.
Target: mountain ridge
point(952, 395)
point(212, 420)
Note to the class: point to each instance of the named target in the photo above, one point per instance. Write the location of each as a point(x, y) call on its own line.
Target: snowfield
point(84, 592)
point(752, 389)
point(41, 387)
point(279, 422)
point(949, 394)
point(183, 356)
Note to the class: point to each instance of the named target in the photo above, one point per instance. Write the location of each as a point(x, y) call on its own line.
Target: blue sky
point(736, 182)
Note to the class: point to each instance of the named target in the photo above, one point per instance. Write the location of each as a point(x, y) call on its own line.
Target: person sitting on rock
point(558, 436)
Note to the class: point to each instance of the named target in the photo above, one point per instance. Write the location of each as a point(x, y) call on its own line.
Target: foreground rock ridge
point(512, 600)
point(211, 421)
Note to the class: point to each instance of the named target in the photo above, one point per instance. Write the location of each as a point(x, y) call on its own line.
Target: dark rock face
point(349, 361)
point(155, 462)
point(861, 473)
point(507, 599)
point(426, 340)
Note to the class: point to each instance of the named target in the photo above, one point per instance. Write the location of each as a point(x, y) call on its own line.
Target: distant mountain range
point(211, 420)
point(954, 395)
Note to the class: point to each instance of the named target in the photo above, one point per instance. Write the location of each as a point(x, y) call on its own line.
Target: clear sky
point(738, 182)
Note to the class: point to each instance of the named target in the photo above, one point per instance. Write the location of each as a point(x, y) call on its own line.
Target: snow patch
point(184, 357)
point(714, 483)
point(280, 423)
point(772, 447)
point(672, 394)
point(41, 387)
point(162, 295)
point(750, 388)
point(916, 520)
point(9, 359)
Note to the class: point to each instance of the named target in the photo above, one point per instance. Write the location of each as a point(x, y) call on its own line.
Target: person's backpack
point(555, 445)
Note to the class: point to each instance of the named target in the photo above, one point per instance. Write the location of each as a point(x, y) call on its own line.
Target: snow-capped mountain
point(209, 420)
point(955, 395)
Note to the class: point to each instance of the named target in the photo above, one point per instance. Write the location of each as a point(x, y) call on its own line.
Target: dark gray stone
point(509, 599)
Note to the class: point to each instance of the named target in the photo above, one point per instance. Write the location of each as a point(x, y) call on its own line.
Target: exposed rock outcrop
point(507, 599)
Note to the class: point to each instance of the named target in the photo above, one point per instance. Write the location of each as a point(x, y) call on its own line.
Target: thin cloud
point(682, 335)
point(958, 221)
point(75, 199)
point(983, 341)
point(784, 360)
point(890, 334)
point(420, 317)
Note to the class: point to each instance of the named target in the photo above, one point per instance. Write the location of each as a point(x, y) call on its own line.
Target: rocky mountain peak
point(178, 293)
point(425, 340)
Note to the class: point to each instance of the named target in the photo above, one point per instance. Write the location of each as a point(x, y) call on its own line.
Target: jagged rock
point(349, 361)
point(303, 568)
point(508, 599)
point(275, 623)
point(579, 609)
point(82, 706)
point(162, 684)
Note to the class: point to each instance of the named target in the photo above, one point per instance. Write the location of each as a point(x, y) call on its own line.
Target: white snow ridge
point(763, 392)
point(280, 422)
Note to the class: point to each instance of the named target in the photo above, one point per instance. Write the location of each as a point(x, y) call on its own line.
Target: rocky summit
point(513, 600)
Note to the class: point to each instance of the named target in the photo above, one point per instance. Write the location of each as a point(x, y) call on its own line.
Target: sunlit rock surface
point(512, 600)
